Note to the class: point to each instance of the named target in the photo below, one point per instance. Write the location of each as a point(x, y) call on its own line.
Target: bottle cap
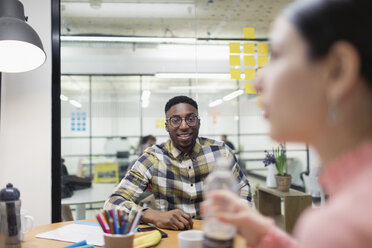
point(9, 193)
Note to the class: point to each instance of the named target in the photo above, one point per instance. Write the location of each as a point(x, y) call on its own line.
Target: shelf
point(270, 204)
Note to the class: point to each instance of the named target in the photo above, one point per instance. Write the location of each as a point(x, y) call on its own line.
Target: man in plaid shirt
point(176, 170)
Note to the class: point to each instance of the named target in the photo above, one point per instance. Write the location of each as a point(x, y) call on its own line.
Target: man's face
point(183, 136)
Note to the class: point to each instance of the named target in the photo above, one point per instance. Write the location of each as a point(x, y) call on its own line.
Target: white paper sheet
point(91, 232)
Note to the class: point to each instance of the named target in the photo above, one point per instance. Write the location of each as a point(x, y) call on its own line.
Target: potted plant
point(279, 158)
point(283, 180)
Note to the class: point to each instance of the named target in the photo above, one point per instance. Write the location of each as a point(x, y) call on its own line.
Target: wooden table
point(30, 241)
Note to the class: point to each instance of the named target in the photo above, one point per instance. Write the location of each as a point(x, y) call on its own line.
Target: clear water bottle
point(218, 234)
point(10, 220)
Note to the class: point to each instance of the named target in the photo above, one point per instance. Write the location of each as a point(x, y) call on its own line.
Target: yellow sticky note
point(248, 47)
point(234, 59)
point(249, 61)
point(262, 60)
point(234, 47)
point(235, 73)
point(249, 89)
point(259, 102)
point(262, 48)
point(249, 74)
point(160, 124)
point(248, 33)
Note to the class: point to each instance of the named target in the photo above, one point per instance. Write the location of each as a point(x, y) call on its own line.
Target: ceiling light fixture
point(145, 98)
point(233, 95)
point(128, 39)
point(75, 103)
point(226, 98)
point(20, 46)
point(204, 87)
point(63, 98)
point(195, 75)
point(215, 103)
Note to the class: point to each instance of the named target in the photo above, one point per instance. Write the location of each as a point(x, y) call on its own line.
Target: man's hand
point(174, 219)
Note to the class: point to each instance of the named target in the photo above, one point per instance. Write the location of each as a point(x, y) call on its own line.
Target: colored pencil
point(85, 246)
point(115, 222)
point(136, 221)
point(102, 224)
point(77, 244)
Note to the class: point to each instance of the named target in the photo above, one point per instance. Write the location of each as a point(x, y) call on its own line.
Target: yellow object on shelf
point(106, 172)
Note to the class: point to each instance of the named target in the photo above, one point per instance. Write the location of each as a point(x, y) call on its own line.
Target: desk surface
point(99, 192)
point(30, 241)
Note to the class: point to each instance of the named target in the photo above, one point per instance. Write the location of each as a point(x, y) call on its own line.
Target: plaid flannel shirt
point(176, 178)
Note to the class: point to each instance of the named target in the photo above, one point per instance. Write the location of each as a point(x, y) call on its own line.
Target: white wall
point(25, 131)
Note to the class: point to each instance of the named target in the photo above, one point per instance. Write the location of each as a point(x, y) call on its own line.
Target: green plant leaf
point(281, 161)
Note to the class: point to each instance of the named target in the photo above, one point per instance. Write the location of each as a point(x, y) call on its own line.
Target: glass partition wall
point(123, 60)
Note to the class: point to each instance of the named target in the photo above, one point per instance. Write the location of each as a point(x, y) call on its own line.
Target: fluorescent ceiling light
point(215, 103)
point(145, 94)
point(145, 103)
point(63, 97)
point(128, 39)
point(233, 95)
point(145, 98)
point(226, 98)
point(75, 103)
point(204, 87)
point(131, 9)
point(195, 75)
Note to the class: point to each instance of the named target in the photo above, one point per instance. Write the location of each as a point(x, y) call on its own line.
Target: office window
point(121, 66)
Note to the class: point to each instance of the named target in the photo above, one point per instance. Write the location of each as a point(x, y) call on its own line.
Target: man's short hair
point(180, 99)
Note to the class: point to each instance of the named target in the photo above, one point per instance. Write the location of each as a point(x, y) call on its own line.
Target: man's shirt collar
point(179, 155)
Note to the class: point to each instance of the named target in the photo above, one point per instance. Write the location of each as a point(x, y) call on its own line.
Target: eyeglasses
point(175, 121)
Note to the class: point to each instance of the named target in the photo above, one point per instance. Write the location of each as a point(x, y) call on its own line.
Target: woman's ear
point(343, 64)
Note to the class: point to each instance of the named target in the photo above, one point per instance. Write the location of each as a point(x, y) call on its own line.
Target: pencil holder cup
point(118, 240)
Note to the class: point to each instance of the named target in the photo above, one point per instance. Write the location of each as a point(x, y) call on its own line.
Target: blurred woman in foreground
point(317, 89)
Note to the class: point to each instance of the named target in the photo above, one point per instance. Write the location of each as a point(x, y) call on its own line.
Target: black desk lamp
point(21, 49)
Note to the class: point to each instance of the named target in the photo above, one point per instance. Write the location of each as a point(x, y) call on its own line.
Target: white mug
point(27, 222)
point(190, 239)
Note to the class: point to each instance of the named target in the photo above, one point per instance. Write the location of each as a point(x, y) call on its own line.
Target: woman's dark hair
point(146, 138)
point(180, 99)
point(324, 22)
